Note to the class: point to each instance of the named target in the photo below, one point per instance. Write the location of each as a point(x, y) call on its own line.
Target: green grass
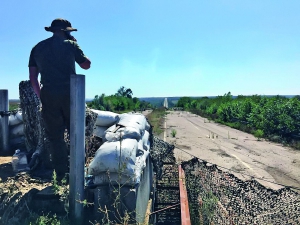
point(173, 133)
point(47, 220)
point(156, 119)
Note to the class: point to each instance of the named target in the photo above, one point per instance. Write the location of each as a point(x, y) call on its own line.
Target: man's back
point(55, 57)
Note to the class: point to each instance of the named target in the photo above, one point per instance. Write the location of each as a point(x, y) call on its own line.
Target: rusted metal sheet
point(184, 203)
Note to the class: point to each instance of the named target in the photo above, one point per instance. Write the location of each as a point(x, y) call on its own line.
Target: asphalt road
point(232, 150)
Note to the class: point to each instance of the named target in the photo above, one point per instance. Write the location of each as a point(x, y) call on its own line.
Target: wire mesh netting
point(218, 197)
point(161, 153)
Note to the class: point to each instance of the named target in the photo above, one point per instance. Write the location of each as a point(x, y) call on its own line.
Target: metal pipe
point(77, 151)
point(184, 202)
point(4, 132)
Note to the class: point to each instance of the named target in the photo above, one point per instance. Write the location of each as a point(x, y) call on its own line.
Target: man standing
point(54, 58)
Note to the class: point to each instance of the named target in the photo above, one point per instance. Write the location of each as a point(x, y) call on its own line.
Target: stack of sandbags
point(105, 119)
point(130, 125)
point(124, 151)
point(16, 130)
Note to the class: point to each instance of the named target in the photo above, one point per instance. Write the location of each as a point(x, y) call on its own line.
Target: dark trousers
point(56, 116)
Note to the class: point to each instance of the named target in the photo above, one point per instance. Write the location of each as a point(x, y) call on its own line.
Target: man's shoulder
point(43, 43)
point(71, 43)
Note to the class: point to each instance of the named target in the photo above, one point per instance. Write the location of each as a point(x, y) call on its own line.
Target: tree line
point(276, 117)
point(121, 101)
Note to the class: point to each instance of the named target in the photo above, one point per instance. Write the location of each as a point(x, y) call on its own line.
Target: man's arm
point(33, 76)
point(86, 64)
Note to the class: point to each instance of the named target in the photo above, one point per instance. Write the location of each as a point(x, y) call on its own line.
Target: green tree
point(184, 102)
point(120, 102)
point(124, 92)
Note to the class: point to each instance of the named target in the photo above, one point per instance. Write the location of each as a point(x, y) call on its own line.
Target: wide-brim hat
point(60, 24)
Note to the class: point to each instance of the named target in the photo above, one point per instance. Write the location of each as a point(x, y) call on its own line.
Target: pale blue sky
point(162, 48)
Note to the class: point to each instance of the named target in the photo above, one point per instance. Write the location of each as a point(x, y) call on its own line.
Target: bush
point(258, 134)
point(173, 133)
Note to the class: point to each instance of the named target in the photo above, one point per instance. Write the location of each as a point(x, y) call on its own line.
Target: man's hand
point(86, 64)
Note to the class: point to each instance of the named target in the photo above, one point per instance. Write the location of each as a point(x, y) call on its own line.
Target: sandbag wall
point(122, 156)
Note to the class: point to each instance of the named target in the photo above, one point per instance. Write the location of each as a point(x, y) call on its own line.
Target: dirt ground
point(241, 153)
point(21, 183)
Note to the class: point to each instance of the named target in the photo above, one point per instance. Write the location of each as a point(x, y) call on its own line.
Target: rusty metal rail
point(184, 202)
point(171, 201)
point(167, 197)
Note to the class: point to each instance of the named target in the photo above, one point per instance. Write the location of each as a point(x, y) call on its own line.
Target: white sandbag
point(143, 154)
point(105, 118)
point(16, 131)
point(111, 128)
point(15, 119)
point(99, 131)
point(140, 145)
point(135, 120)
point(123, 133)
point(130, 132)
point(146, 142)
point(109, 158)
point(110, 136)
point(140, 164)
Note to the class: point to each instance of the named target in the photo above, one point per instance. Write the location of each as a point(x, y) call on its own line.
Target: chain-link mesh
point(217, 197)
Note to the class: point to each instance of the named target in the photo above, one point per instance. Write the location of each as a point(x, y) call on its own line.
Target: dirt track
point(237, 151)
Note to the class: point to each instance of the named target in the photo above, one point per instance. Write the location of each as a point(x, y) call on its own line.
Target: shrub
point(173, 133)
point(258, 134)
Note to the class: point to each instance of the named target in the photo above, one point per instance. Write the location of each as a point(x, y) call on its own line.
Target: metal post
point(4, 141)
point(77, 151)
